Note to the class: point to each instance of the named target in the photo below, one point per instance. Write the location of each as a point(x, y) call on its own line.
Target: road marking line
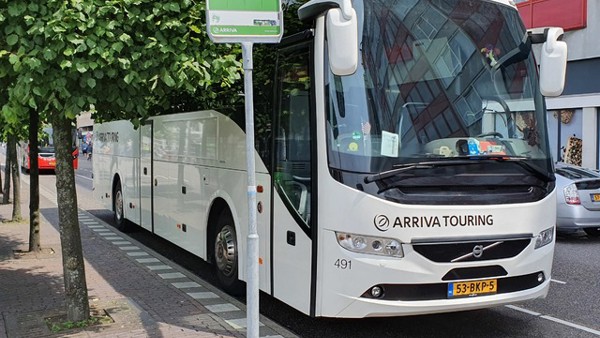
point(227, 307)
point(558, 281)
point(147, 260)
point(129, 248)
point(556, 320)
point(159, 267)
point(576, 326)
point(186, 285)
point(203, 295)
point(171, 275)
point(113, 238)
point(240, 323)
point(137, 254)
point(533, 313)
point(121, 242)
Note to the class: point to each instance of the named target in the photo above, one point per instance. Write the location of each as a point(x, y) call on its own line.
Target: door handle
point(155, 182)
point(145, 171)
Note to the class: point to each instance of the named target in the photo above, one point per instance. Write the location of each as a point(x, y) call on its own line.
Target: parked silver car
point(578, 199)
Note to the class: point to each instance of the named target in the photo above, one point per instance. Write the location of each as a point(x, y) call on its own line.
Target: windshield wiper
point(399, 168)
point(463, 160)
point(522, 161)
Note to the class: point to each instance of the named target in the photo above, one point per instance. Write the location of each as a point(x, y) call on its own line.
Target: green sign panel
point(244, 20)
point(240, 5)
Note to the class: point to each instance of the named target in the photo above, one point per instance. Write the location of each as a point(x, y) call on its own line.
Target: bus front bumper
point(372, 307)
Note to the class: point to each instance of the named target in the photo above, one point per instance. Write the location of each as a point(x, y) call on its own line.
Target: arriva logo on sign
point(234, 21)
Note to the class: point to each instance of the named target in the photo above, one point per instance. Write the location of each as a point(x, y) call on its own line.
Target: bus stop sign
point(232, 21)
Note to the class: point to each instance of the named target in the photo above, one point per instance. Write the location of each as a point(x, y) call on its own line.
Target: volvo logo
point(478, 251)
point(382, 223)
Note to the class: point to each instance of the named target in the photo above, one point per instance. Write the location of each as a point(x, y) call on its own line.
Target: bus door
point(146, 177)
point(292, 180)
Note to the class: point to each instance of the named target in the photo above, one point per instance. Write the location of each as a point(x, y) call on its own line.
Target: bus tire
point(118, 208)
point(226, 255)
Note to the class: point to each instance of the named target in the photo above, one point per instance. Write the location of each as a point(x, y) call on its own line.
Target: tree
point(2, 139)
point(35, 244)
point(34, 204)
point(11, 150)
point(121, 57)
point(12, 173)
point(1, 186)
point(6, 188)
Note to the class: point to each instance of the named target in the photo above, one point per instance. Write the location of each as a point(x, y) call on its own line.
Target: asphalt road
point(570, 310)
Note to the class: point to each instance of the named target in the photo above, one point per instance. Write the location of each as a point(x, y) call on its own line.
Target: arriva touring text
point(383, 223)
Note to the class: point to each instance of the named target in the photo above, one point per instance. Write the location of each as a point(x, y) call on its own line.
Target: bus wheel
point(120, 220)
point(226, 255)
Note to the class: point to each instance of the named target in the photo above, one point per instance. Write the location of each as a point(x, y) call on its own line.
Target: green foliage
point(121, 57)
point(59, 324)
point(229, 97)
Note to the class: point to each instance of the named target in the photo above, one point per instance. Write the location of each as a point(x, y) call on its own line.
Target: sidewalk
point(145, 294)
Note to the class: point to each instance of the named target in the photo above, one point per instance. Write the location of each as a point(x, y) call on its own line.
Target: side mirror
point(553, 63)
point(342, 40)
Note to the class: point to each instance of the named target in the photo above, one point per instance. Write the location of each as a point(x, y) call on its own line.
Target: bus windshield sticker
point(389, 144)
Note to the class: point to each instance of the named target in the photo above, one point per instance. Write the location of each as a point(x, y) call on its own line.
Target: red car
point(47, 159)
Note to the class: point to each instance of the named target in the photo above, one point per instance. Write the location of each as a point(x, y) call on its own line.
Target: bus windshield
point(46, 142)
point(436, 79)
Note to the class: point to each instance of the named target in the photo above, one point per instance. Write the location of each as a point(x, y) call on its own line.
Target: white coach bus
point(404, 168)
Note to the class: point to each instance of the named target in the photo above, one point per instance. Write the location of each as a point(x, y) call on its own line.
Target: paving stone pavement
point(145, 294)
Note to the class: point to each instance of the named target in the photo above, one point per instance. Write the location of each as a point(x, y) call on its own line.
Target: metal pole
point(252, 301)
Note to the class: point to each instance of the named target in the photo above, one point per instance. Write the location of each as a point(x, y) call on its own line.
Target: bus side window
point(293, 136)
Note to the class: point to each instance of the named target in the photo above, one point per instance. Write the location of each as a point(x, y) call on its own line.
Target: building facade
point(573, 117)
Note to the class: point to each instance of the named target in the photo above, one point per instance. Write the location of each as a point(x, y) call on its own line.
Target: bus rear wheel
point(226, 255)
point(120, 221)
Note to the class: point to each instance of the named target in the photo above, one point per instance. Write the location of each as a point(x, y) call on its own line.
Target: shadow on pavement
point(137, 299)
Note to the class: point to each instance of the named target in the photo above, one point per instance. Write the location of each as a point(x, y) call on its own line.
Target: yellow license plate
point(52, 163)
point(596, 197)
point(471, 289)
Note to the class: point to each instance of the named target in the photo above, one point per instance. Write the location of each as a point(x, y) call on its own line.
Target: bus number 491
point(343, 264)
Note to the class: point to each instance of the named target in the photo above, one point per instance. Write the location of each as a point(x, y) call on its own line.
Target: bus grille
point(473, 251)
point(420, 292)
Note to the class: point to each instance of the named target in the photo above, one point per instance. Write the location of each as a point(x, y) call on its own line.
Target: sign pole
point(247, 22)
point(252, 286)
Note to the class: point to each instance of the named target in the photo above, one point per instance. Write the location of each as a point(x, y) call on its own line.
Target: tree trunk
point(1, 186)
point(16, 179)
point(35, 244)
point(77, 303)
point(6, 189)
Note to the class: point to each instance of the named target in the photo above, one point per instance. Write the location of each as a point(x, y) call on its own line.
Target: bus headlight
point(544, 238)
point(370, 245)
